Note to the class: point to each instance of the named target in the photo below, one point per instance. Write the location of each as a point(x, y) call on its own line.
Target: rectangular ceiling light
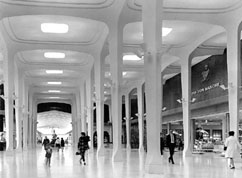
point(124, 73)
point(166, 31)
point(56, 55)
point(54, 91)
point(54, 83)
point(54, 71)
point(54, 97)
point(54, 28)
point(131, 57)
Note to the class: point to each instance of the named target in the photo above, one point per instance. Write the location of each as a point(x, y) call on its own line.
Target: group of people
point(82, 147)
point(231, 147)
point(47, 146)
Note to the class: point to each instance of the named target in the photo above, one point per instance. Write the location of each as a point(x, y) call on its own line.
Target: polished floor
point(31, 164)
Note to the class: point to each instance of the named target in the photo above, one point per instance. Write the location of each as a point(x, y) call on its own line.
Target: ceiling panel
point(28, 28)
point(71, 57)
point(194, 4)
point(182, 32)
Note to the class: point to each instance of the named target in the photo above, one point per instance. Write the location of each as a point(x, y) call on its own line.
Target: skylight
point(166, 31)
point(54, 97)
point(54, 28)
point(131, 57)
point(54, 83)
point(55, 55)
point(54, 91)
point(54, 71)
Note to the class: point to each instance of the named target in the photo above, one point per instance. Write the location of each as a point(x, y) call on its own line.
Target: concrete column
point(30, 120)
point(74, 123)
point(116, 44)
point(78, 106)
point(89, 103)
point(110, 121)
point(127, 121)
point(8, 73)
point(152, 25)
point(84, 109)
point(186, 98)
point(168, 128)
point(34, 123)
point(140, 96)
point(233, 65)
point(25, 114)
point(99, 97)
point(19, 81)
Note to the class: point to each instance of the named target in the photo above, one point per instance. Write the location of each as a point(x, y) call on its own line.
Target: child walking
point(48, 155)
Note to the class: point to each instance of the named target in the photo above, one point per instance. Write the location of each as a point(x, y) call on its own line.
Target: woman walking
point(232, 149)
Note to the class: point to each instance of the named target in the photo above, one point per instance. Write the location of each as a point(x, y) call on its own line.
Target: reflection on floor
point(31, 164)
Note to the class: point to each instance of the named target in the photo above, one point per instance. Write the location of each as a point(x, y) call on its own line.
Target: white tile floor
point(31, 164)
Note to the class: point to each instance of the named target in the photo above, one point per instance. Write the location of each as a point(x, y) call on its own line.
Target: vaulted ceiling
point(86, 25)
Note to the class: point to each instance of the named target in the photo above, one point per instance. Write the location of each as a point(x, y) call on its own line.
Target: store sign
point(207, 88)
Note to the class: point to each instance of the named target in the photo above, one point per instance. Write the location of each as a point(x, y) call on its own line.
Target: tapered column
point(25, 114)
point(84, 108)
point(74, 122)
point(78, 106)
point(19, 81)
point(34, 122)
point(116, 39)
point(186, 113)
point(110, 121)
point(140, 117)
point(30, 120)
point(99, 86)
point(151, 15)
point(127, 121)
point(8, 93)
point(233, 64)
point(89, 94)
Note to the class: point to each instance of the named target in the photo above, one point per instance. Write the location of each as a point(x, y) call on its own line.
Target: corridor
point(31, 164)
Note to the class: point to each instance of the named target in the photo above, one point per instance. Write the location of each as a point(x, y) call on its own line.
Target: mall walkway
point(31, 164)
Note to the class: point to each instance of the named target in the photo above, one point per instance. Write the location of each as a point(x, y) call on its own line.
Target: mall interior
point(125, 72)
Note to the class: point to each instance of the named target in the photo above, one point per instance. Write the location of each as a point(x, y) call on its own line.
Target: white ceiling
point(88, 35)
point(195, 4)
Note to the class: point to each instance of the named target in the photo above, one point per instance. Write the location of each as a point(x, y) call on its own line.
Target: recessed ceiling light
point(54, 97)
point(131, 57)
point(54, 91)
point(56, 55)
point(166, 31)
point(54, 71)
point(54, 28)
point(54, 83)
point(124, 73)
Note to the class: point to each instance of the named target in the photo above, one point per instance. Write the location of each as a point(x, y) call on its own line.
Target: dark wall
point(206, 78)
point(42, 107)
point(1, 100)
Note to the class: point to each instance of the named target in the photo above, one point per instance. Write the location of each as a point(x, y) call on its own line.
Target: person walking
point(171, 143)
point(62, 144)
point(46, 141)
point(83, 146)
point(48, 154)
point(57, 144)
point(232, 149)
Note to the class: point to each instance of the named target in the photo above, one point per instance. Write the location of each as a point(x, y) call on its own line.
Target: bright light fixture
point(54, 83)
point(124, 73)
point(56, 55)
point(166, 31)
point(54, 28)
point(131, 57)
point(54, 97)
point(54, 71)
point(54, 91)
